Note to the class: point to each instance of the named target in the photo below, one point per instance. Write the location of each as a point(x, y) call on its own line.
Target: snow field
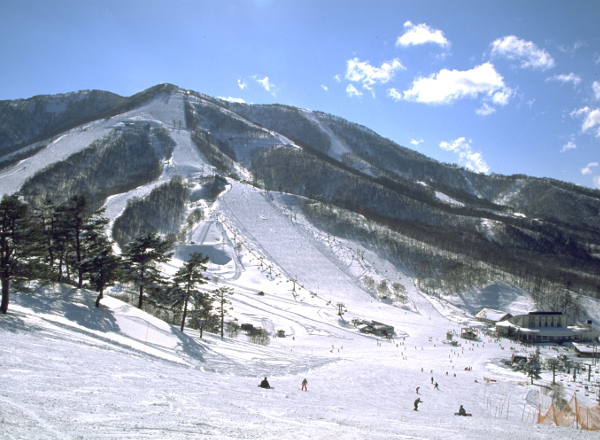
point(62, 377)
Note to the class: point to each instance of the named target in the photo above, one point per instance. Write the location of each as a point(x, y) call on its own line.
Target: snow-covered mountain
point(302, 214)
point(169, 159)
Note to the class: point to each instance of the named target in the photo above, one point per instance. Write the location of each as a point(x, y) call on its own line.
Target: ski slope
point(69, 370)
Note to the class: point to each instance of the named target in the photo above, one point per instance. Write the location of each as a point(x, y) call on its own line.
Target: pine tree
point(533, 366)
point(223, 303)
point(141, 256)
point(104, 269)
point(83, 233)
point(184, 286)
point(20, 253)
point(202, 315)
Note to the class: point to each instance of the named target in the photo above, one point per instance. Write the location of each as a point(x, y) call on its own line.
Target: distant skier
point(462, 412)
point(435, 387)
point(265, 384)
point(417, 403)
point(304, 383)
point(418, 390)
point(432, 380)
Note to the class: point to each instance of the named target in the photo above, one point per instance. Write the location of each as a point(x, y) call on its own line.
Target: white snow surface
point(70, 370)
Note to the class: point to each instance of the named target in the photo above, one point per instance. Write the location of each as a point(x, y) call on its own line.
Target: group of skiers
point(265, 384)
point(461, 412)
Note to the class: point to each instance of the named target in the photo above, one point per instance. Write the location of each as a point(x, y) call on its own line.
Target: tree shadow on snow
point(74, 304)
point(190, 347)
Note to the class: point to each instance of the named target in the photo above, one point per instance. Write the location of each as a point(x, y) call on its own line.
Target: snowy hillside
point(70, 370)
point(302, 214)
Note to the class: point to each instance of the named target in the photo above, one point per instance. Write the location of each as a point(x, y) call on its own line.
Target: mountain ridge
point(537, 233)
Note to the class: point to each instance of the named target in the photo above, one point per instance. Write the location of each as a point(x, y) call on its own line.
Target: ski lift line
point(268, 256)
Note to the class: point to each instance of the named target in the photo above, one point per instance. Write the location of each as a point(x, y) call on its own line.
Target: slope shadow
point(190, 347)
point(71, 303)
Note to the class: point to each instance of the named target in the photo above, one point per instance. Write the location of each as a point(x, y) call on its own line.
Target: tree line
point(67, 243)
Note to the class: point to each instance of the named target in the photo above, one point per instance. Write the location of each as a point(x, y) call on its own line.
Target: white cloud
point(449, 85)
point(596, 58)
point(325, 88)
point(351, 91)
point(416, 142)
point(591, 118)
point(485, 110)
point(421, 34)
point(578, 45)
point(394, 94)
point(242, 84)
point(526, 52)
point(588, 169)
point(596, 89)
point(596, 180)
point(338, 78)
point(570, 78)
point(568, 146)
point(466, 156)
point(230, 99)
point(362, 71)
point(265, 83)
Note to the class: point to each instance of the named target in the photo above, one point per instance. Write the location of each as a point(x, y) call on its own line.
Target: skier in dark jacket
point(461, 411)
point(265, 384)
point(417, 403)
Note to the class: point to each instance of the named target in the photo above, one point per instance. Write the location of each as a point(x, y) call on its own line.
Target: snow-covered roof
point(493, 315)
point(587, 349)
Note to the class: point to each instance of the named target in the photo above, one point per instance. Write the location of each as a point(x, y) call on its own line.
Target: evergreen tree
point(83, 232)
point(141, 256)
point(184, 286)
point(20, 253)
point(202, 315)
point(223, 304)
point(533, 366)
point(104, 269)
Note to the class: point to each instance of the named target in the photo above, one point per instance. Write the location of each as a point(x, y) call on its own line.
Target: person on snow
point(435, 387)
point(304, 383)
point(461, 411)
point(265, 384)
point(417, 403)
point(418, 390)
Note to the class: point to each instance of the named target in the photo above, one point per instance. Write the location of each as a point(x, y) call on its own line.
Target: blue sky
point(496, 86)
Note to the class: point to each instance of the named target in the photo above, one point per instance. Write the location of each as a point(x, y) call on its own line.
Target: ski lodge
point(545, 327)
point(491, 316)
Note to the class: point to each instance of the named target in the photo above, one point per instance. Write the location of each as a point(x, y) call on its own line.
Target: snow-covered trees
point(184, 285)
point(141, 256)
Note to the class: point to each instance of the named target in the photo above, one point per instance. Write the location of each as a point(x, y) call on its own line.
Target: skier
point(462, 412)
point(265, 384)
point(417, 403)
point(435, 387)
point(304, 383)
point(432, 380)
point(418, 390)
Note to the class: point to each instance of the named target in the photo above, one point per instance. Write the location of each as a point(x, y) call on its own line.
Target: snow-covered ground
point(69, 370)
